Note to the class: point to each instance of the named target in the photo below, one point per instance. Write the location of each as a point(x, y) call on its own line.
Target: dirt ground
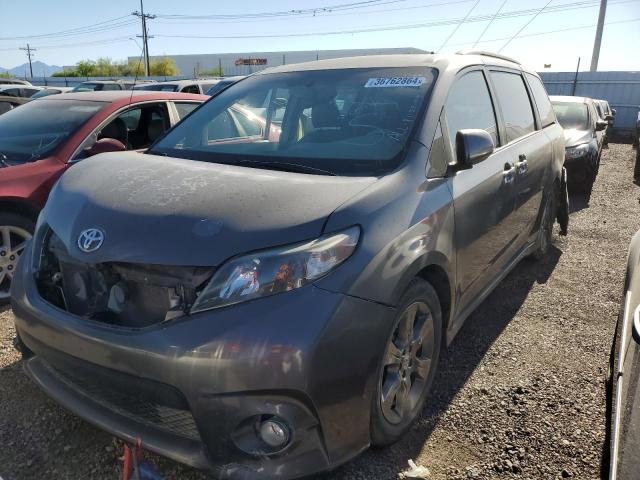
point(520, 392)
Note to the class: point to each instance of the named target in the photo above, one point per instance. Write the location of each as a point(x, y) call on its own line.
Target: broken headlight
point(278, 270)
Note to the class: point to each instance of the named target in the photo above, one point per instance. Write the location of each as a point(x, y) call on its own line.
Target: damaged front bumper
point(194, 388)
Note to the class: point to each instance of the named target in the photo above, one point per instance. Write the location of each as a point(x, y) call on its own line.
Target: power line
point(549, 32)
point(378, 28)
point(330, 14)
point(28, 49)
point(525, 25)
point(490, 22)
point(458, 26)
point(286, 13)
point(87, 28)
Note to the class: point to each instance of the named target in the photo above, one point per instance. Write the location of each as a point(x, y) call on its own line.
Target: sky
point(547, 32)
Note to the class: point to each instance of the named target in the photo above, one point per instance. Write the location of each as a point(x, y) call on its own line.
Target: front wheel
point(408, 364)
point(15, 230)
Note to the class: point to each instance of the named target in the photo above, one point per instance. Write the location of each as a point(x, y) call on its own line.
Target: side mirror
point(105, 145)
point(472, 147)
point(601, 125)
point(613, 111)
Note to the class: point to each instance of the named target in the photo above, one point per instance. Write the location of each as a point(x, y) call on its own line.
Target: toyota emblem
point(90, 240)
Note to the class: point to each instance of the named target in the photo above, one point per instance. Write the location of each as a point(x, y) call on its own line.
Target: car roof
point(16, 85)
point(123, 96)
point(460, 59)
point(101, 81)
point(569, 98)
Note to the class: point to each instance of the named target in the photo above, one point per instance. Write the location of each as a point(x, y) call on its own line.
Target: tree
point(84, 68)
point(213, 72)
point(163, 67)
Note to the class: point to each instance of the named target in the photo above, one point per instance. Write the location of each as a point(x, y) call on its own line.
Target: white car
point(46, 91)
point(11, 90)
point(183, 86)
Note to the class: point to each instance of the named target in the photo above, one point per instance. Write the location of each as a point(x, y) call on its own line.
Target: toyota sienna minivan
point(266, 292)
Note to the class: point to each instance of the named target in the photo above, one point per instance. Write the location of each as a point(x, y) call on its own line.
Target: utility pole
point(28, 49)
point(596, 45)
point(145, 36)
point(575, 79)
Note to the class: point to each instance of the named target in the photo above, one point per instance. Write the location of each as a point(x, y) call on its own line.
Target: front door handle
point(509, 173)
point(521, 164)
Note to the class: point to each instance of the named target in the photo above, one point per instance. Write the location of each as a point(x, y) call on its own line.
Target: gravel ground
point(520, 392)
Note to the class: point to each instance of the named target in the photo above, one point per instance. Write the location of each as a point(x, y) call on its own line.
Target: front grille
point(172, 420)
point(131, 295)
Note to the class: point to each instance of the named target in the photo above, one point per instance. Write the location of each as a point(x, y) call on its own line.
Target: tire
point(547, 219)
point(420, 309)
point(19, 229)
point(562, 209)
point(586, 185)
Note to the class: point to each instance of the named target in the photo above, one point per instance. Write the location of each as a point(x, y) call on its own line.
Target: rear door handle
point(522, 165)
point(509, 173)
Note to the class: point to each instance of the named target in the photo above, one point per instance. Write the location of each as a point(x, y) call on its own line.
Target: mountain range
point(39, 69)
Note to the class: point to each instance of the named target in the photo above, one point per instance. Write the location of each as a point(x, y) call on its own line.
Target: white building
point(249, 62)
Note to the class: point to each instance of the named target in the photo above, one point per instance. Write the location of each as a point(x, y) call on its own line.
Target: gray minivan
point(267, 290)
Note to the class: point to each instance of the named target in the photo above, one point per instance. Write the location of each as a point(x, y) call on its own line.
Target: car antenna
point(135, 78)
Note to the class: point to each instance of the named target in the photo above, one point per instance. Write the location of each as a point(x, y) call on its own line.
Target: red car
point(41, 139)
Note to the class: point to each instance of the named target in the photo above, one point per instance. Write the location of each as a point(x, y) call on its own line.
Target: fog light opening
point(274, 433)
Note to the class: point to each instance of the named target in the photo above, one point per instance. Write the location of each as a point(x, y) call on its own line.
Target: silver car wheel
point(407, 363)
point(14, 239)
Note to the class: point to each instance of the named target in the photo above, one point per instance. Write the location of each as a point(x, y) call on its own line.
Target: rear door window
point(185, 108)
point(545, 110)
point(191, 89)
point(469, 106)
point(514, 103)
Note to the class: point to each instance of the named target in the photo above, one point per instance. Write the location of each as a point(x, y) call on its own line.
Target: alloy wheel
point(14, 239)
point(407, 363)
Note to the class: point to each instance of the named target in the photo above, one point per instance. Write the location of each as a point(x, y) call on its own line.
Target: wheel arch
point(435, 268)
point(19, 206)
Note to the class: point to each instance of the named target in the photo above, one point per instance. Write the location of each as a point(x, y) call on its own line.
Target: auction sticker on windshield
point(382, 82)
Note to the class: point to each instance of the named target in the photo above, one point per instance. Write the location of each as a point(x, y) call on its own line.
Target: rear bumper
point(309, 357)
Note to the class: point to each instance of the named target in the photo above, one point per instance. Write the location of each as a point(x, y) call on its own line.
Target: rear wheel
point(408, 365)
point(15, 230)
point(547, 219)
point(562, 209)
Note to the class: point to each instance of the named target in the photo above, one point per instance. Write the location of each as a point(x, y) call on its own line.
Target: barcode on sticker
point(383, 82)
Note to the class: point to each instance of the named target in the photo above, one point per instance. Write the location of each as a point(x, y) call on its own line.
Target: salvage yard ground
point(520, 393)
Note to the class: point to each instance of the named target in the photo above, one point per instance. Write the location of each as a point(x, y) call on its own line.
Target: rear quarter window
point(541, 98)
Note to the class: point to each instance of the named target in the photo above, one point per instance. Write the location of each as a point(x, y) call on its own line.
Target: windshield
point(45, 93)
point(572, 115)
point(36, 129)
point(351, 121)
point(158, 87)
point(220, 86)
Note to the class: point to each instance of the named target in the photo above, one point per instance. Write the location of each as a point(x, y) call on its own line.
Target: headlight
point(278, 270)
point(575, 152)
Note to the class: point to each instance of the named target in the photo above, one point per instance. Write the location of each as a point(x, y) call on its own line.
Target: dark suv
point(267, 290)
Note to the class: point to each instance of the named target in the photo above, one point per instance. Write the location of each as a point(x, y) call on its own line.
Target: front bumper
point(578, 168)
point(309, 357)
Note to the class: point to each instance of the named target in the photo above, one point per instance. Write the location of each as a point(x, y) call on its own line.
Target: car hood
point(162, 210)
point(573, 137)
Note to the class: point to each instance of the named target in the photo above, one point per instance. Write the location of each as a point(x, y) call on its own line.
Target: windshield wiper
point(284, 166)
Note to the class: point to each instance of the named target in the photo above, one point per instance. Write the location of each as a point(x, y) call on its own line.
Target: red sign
point(251, 61)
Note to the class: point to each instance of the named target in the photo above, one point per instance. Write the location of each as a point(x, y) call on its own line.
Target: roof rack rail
point(487, 54)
